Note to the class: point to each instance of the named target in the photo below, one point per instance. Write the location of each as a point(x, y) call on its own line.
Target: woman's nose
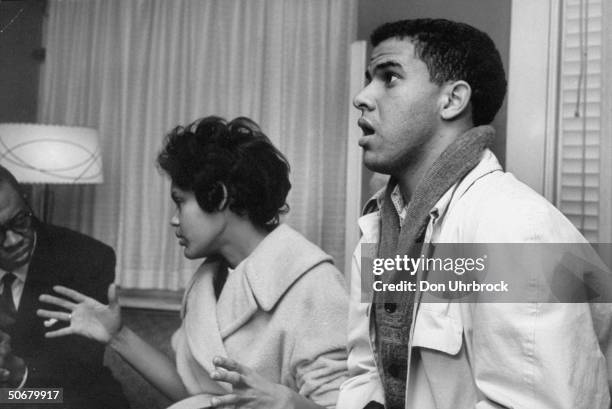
point(174, 221)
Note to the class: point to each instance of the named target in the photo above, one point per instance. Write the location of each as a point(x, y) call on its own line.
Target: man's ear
point(225, 199)
point(456, 100)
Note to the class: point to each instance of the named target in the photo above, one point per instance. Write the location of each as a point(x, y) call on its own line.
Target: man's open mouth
point(365, 126)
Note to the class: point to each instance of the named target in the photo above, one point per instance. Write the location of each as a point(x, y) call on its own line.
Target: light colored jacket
point(282, 312)
point(488, 355)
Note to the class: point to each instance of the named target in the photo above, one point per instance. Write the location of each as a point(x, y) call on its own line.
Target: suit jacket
point(77, 261)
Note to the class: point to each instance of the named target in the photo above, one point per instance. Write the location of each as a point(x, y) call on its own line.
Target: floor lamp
point(51, 154)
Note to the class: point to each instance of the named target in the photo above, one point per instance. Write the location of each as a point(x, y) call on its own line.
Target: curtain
point(135, 69)
point(584, 149)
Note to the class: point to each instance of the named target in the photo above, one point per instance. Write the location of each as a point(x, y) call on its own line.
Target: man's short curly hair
point(455, 51)
point(211, 153)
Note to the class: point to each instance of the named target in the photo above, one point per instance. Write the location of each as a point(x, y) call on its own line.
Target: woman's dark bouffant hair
point(211, 153)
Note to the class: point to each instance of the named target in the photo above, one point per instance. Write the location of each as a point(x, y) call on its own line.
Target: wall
point(20, 58)
point(490, 16)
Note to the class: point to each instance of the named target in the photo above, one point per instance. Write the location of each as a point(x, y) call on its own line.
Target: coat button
point(390, 307)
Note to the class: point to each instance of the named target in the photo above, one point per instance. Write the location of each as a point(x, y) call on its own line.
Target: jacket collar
point(278, 261)
point(262, 279)
point(488, 163)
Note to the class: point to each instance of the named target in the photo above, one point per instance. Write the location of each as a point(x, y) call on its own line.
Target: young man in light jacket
point(433, 88)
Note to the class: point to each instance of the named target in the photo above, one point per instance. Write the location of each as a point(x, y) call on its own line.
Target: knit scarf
point(393, 315)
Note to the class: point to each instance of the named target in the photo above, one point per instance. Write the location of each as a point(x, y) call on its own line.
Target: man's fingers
point(59, 333)
point(65, 291)
point(60, 302)
point(5, 349)
point(227, 376)
point(58, 315)
point(225, 400)
point(6, 320)
point(4, 375)
point(4, 338)
point(5, 344)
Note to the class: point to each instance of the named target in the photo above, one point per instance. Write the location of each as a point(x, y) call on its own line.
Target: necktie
point(7, 294)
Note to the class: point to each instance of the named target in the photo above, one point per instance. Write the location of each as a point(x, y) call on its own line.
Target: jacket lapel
point(200, 312)
point(41, 278)
point(237, 302)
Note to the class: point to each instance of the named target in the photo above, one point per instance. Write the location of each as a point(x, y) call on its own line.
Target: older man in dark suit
point(34, 257)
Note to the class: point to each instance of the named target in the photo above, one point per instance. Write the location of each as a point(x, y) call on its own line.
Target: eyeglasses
point(20, 224)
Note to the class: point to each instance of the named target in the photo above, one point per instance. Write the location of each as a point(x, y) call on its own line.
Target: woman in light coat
point(264, 317)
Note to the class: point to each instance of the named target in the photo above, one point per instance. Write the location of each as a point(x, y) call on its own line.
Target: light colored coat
point(488, 355)
point(282, 312)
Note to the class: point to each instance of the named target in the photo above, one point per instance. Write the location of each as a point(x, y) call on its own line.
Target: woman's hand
point(87, 317)
point(251, 390)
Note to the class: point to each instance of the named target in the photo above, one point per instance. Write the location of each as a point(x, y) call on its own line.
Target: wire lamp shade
point(51, 154)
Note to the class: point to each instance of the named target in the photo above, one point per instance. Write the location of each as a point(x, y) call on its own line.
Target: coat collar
point(280, 260)
point(261, 280)
point(488, 163)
